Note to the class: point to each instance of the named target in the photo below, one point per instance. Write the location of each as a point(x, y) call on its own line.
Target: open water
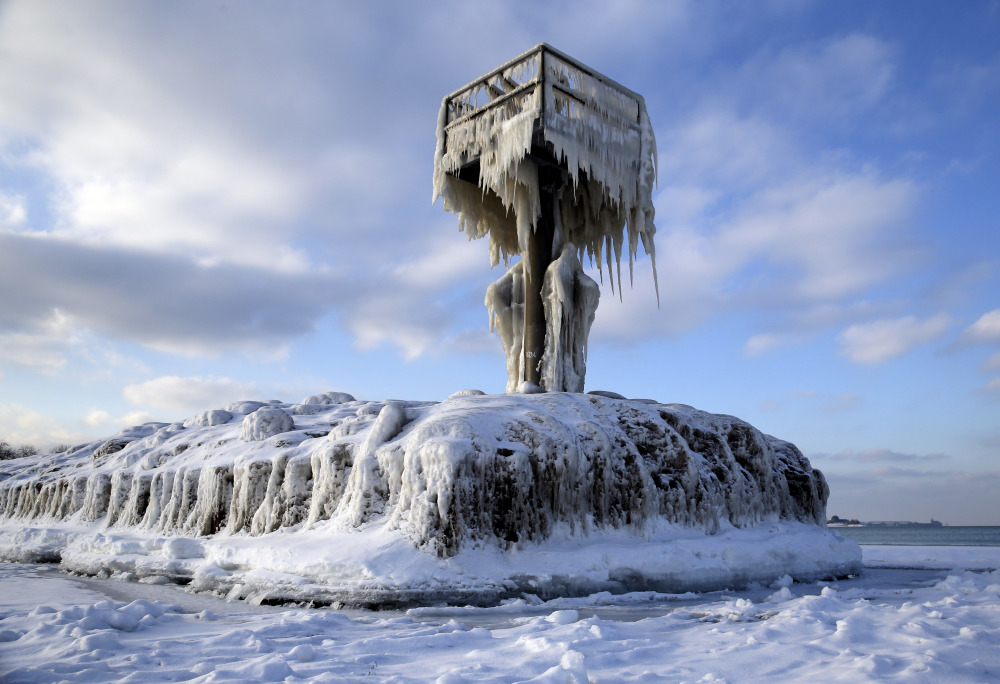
point(922, 536)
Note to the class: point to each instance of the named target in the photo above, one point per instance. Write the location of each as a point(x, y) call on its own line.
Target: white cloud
point(993, 386)
point(686, 300)
point(448, 259)
point(20, 425)
point(162, 135)
point(830, 80)
point(764, 342)
point(832, 231)
point(714, 146)
point(135, 418)
point(43, 348)
point(97, 418)
point(804, 248)
point(392, 318)
point(191, 394)
point(418, 305)
point(13, 215)
point(986, 329)
point(887, 339)
point(204, 191)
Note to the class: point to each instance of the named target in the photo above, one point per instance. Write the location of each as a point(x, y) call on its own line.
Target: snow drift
point(368, 502)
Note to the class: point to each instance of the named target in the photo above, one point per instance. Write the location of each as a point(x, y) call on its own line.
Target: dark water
point(922, 536)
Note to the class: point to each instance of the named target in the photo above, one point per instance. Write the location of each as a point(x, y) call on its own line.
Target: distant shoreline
point(839, 522)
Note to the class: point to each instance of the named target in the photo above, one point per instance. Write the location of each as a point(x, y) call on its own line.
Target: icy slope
point(423, 483)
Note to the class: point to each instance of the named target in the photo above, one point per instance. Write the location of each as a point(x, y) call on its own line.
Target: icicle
point(570, 298)
point(603, 137)
point(505, 305)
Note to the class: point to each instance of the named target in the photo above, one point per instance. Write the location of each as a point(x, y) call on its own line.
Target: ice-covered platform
point(470, 500)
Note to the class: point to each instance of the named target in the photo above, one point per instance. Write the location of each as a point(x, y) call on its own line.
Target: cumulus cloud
point(888, 339)
point(752, 215)
point(205, 174)
point(164, 302)
point(191, 394)
point(97, 418)
point(139, 159)
point(21, 425)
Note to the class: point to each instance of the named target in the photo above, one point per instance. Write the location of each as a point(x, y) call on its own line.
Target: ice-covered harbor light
point(477, 498)
point(554, 162)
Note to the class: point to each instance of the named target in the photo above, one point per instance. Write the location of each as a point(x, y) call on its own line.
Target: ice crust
point(508, 475)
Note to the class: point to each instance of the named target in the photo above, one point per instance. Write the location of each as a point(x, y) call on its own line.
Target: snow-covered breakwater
point(479, 495)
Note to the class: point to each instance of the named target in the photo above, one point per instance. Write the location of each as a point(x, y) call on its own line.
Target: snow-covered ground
point(917, 614)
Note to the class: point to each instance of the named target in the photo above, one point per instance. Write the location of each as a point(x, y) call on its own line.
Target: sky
point(202, 202)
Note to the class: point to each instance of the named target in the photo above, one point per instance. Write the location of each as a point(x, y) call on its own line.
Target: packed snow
point(475, 499)
point(917, 614)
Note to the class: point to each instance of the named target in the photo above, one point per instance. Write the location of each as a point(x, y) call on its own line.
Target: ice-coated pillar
point(539, 256)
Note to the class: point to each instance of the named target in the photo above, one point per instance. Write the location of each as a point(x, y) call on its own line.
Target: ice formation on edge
point(474, 469)
point(595, 129)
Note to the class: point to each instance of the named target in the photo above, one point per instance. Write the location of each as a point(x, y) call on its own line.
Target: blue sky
point(203, 202)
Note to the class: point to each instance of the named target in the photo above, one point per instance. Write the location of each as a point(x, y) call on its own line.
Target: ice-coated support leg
point(539, 256)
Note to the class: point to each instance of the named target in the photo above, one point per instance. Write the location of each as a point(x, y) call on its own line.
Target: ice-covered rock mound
point(471, 499)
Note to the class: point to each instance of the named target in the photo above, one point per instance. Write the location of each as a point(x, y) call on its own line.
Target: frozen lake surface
point(916, 614)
